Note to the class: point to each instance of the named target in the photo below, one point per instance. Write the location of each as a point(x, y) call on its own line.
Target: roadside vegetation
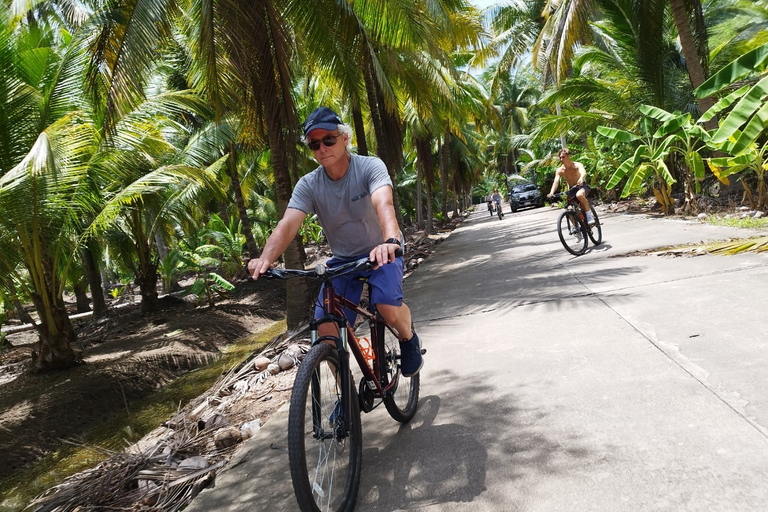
point(148, 143)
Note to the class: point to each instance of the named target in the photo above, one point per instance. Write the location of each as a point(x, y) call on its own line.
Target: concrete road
point(604, 382)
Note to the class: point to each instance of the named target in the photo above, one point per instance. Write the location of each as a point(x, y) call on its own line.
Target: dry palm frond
point(738, 246)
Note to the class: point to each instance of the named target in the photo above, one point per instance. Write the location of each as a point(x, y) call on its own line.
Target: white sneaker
point(590, 218)
point(578, 236)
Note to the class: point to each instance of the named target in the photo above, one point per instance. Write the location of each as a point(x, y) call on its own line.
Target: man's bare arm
point(382, 203)
point(277, 242)
point(582, 173)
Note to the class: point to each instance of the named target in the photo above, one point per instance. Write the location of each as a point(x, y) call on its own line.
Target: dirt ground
point(127, 356)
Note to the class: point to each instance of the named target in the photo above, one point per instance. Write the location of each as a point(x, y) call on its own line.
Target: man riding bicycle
point(352, 197)
point(574, 174)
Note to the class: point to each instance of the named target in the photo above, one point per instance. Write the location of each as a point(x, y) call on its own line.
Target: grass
point(737, 222)
point(125, 428)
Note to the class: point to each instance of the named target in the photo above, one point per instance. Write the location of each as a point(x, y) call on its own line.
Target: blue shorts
point(385, 283)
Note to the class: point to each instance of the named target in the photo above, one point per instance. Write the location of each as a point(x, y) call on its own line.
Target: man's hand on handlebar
point(383, 254)
point(257, 266)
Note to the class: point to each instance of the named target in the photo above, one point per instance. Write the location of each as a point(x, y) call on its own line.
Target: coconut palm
point(46, 142)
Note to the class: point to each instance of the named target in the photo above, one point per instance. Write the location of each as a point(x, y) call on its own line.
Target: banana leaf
point(663, 150)
point(656, 113)
point(636, 180)
point(663, 170)
point(751, 103)
point(616, 134)
point(696, 164)
point(754, 60)
point(627, 166)
point(723, 104)
point(752, 131)
point(671, 126)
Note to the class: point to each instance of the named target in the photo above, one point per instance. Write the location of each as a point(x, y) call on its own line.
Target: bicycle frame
point(347, 343)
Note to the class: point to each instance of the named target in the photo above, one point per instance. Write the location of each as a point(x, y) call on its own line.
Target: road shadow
point(423, 464)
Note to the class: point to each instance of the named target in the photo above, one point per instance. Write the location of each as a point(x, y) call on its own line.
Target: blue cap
point(322, 118)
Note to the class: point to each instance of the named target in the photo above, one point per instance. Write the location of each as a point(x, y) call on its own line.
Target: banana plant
point(688, 138)
point(749, 116)
point(754, 158)
point(647, 161)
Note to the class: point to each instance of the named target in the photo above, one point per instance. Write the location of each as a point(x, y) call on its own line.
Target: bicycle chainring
point(365, 396)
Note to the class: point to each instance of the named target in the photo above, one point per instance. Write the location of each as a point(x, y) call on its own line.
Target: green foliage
point(647, 161)
point(739, 222)
point(749, 116)
point(311, 230)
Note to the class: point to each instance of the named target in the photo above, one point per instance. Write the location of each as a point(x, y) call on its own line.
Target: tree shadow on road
point(424, 464)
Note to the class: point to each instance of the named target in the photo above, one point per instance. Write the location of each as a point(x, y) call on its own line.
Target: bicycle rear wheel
point(571, 233)
point(325, 460)
point(403, 400)
point(595, 231)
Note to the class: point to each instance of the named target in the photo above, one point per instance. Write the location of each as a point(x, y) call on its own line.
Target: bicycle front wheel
point(571, 233)
point(324, 458)
point(595, 231)
point(403, 399)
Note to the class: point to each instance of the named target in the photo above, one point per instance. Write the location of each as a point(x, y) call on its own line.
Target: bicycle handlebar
point(321, 271)
point(571, 192)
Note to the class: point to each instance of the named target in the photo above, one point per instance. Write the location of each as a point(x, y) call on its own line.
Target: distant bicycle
point(572, 226)
point(497, 209)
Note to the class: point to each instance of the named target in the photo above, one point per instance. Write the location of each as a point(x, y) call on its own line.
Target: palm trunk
point(81, 297)
point(357, 119)
point(380, 120)
point(297, 293)
point(692, 61)
point(56, 347)
point(430, 213)
point(444, 157)
point(92, 275)
point(146, 271)
point(424, 156)
point(419, 201)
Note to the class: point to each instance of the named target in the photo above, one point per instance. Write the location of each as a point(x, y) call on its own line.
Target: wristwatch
point(392, 241)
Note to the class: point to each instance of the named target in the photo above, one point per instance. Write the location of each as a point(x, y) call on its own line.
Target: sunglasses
point(328, 141)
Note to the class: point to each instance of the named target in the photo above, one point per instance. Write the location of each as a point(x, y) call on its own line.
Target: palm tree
point(46, 144)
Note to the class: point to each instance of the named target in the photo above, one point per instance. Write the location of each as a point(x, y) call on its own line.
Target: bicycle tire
point(403, 400)
point(568, 225)
point(595, 231)
point(325, 466)
point(500, 213)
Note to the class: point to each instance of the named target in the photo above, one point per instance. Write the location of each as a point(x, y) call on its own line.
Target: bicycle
point(572, 226)
point(324, 429)
point(497, 208)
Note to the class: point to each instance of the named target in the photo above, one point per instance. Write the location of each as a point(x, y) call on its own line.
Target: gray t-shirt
point(344, 207)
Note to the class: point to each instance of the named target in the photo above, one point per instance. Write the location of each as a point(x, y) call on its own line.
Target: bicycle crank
point(365, 396)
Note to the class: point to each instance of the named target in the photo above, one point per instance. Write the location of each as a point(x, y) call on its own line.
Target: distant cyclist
point(574, 174)
point(496, 198)
point(489, 200)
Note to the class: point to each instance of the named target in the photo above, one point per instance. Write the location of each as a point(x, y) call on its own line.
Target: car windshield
point(523, 188)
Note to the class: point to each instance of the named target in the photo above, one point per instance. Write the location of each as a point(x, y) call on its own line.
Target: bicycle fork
point(343, 381)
